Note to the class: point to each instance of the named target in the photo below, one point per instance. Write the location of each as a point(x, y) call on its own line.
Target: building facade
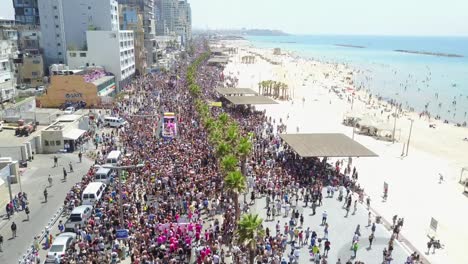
point(52, 39)
point(8, 52)
point(88, 85)
point(30, 70)
point(26, 12)
point(113, 50)
point(131, 19)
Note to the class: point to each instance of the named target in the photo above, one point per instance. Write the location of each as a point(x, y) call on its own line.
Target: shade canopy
point(326, 145)
point(250, 100)
point(73, 134)
point(219, 60)
point(228, 90)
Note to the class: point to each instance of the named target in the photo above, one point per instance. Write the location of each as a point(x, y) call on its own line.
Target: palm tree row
point(273, 88)
point(232, 148)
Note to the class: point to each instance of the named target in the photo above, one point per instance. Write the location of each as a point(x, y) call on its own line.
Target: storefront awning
point(73, 134)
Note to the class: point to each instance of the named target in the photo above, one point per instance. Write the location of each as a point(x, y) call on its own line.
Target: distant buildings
point(174, 17)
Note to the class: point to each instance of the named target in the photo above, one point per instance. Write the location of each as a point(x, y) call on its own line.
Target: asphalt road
point(34, 181)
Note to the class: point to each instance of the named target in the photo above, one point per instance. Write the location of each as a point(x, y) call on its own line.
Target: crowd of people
point(173, 205)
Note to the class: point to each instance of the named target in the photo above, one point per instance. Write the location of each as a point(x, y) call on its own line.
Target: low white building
point(113, 50)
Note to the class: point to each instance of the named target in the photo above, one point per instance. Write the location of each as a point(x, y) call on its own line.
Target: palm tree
point(223, 149)
point(244, 148)
point(235, 183)
point(232, 133)
point(250, 231)
point(229, 163)
point(224, 119)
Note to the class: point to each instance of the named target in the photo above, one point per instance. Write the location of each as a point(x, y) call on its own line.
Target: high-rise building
point(77, 16)
point(26, 11)
point(132, 19)
point(174, 17)
point(145, 9)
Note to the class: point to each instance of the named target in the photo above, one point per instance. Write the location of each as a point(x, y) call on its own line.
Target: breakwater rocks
point(438, 54)
point(350, 46)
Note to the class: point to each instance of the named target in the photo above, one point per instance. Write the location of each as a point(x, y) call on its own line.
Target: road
point(34, 181)
point(341, 231)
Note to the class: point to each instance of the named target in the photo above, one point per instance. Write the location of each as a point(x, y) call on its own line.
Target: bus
point(169, 125)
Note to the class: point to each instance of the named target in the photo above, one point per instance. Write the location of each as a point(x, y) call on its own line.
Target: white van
point(114, 121)
point(93, 193)
point(79, 216)
point(113, 157)
point(103, 175)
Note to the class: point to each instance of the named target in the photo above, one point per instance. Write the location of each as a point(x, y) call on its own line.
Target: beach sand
point(414, 189)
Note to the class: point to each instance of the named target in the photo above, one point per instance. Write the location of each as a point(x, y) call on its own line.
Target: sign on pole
point(121, 234)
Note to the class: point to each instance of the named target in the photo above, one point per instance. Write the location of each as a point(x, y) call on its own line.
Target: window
point(58, 44)
point(52, 143)
point(82, 54)
point(89, 8)
point(56, 17)
point(58, 143)
point(58, 35)
point(46, 143)
point(56, 26)
point(60, 53)
point(55, 7)
point(34, 73)
point(72, 54)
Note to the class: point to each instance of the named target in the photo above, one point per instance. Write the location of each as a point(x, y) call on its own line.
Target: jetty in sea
point(438, 54)
point(350, 46)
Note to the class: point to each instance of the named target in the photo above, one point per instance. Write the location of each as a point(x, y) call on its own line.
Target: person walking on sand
point(80, 156)
point(324, 217)
point(371, 239)
point(355, 249)
point(64, 174)
point(49, 179)
point(71, 166)
point(13, 229)
point(55, 161)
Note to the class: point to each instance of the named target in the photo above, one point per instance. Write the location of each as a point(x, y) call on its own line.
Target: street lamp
point(409, 136)
point(118, 169)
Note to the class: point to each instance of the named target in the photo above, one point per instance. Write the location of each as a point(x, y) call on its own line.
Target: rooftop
point(326, 145)
point(227, 91)
point(250, 100)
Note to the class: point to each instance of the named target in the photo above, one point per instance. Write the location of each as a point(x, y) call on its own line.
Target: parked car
point(60, 246)
point(69, 110)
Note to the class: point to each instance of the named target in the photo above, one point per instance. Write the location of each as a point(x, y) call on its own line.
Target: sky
point(341, 17)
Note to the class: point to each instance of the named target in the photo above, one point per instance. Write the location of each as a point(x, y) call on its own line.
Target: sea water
point(423, 82)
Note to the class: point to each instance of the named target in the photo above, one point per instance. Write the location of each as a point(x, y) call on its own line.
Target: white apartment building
point(114, 50)
point(64, 24)
point(7, 78)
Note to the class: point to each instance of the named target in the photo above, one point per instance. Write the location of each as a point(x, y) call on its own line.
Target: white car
point(60, 246)
point(69, 110)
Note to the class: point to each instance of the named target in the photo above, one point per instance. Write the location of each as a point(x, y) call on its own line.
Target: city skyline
point(331, 17)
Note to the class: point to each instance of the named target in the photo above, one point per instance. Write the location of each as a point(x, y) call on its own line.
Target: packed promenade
point(176, 206)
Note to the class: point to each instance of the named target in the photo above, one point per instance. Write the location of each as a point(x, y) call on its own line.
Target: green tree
point(229, 163)
point(249, 232)
point(235, 183)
